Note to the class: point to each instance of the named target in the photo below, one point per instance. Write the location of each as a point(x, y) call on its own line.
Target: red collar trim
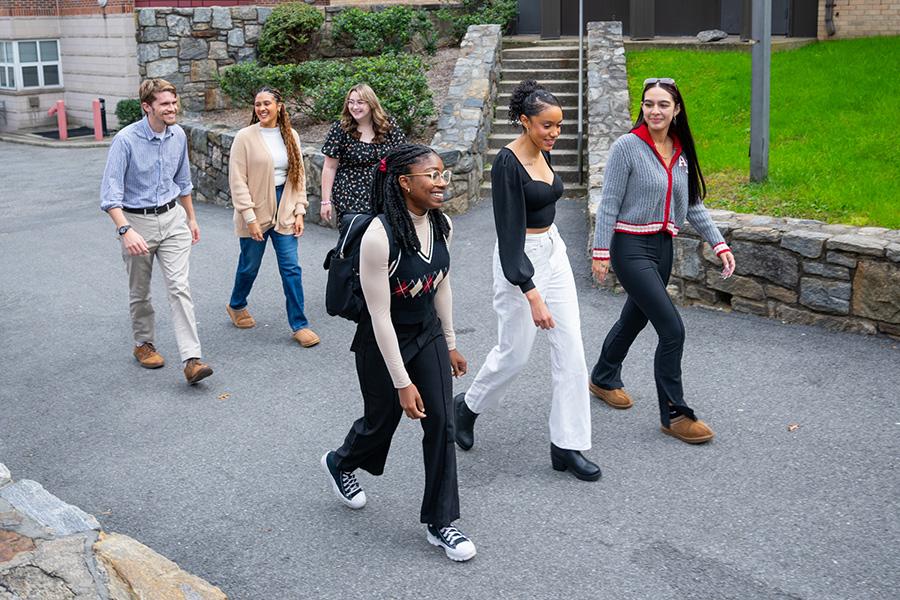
point(644, 133)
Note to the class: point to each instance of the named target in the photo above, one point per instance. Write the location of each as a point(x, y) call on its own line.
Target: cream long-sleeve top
point(374, 277)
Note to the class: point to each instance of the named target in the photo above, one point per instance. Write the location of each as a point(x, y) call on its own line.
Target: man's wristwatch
point(123, 229)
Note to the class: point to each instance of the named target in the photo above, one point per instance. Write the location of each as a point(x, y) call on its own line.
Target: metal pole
point(759, 105)
point(579, 142)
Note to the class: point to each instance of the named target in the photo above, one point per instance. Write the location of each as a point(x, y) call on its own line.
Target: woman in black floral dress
point(353, 147)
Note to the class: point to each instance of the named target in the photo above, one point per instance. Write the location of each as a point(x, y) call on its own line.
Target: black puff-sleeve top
point(356, 162)
point(520, 202)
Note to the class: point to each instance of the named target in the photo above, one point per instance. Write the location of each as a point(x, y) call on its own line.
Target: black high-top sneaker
point(465, 423)
point(344, 484)
point(456, 545)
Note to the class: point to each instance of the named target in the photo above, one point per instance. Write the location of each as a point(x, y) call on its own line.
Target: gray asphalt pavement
point(231, 489)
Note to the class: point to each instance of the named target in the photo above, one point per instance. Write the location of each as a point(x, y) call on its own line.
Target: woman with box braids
point(405, 345)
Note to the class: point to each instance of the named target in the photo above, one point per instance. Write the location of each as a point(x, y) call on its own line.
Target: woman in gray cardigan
point(652, 183)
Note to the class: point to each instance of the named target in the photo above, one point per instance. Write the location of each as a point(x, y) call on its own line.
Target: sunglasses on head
point(655, 80)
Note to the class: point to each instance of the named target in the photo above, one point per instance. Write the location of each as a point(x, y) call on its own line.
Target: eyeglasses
point(653, 80)
point(357, 103)
point(436, 176)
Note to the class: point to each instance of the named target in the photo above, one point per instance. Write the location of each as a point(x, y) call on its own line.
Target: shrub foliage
point(129, 111)
point(480, 12)
point(396, 29)
point(317, 88)
point(287, 32)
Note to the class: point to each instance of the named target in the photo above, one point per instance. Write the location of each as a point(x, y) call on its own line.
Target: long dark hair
point(529, 99)
point(682, 130)
point(388, 198)
point(295, 161)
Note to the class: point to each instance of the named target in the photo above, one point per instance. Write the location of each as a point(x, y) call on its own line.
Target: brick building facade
point(859, 18)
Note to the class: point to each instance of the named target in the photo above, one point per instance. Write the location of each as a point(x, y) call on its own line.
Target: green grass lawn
point(834, 152)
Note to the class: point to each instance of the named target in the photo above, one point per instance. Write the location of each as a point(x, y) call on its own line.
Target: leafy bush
point(480, 12)
point(392, 29)
point(129, 111)
point(287, 32)
point(317, 88)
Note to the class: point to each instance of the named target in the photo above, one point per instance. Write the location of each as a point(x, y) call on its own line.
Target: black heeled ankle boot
point(465, 422)
point(574, 461)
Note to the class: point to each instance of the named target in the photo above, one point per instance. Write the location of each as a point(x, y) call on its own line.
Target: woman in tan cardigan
point(268, 190)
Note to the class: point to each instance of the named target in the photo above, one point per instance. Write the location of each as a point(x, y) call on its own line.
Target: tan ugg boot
point(306, 337)
point(241, 317)
point(688, 430)
point(617, 398)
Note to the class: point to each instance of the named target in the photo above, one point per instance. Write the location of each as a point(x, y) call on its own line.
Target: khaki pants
point(169, 240)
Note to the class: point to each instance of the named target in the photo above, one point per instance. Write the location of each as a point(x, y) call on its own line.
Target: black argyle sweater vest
point(414, 278)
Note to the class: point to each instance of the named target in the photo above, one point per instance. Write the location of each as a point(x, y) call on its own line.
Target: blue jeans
point(288, 266)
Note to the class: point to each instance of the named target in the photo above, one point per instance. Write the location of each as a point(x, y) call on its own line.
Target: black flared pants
point(643, 264)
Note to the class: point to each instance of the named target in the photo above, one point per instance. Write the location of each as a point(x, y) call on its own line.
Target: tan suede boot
point(241, 317)
point(306, 337)
point(194, 370)
point(688, 430)
point(148, 357)
point(617, 398)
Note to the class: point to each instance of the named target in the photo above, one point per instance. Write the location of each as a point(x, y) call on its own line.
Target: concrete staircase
point(554, 64)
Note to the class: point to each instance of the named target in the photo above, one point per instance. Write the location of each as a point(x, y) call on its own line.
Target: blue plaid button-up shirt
point(145, 169)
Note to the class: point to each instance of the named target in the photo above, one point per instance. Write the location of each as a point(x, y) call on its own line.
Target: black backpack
point(343, 292)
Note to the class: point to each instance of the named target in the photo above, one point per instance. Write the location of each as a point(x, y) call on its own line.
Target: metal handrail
point(580, 141)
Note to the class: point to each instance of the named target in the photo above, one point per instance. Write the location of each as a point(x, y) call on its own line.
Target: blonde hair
point(381, 124)
point(151, 87)
point(295, 161)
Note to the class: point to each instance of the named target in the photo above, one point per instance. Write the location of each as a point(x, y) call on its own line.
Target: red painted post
point(98, 125)
point(60, 110)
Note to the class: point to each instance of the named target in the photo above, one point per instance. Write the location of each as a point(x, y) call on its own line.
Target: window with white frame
point(29, 64)
point(7, 66)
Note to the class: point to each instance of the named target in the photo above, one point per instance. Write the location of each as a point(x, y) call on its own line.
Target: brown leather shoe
point(241, 317)
point(147, 355)
point(617, 398)
point(194, 370)
point(306, 337)
point(688, 430)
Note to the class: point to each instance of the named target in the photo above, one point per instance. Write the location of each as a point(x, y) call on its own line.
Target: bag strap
point(393, 251)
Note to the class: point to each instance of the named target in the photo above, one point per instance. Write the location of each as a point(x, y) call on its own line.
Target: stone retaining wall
point(796, 270)
point(461, 138)
point(188, 46)
point(464, 124)
point(55, 551)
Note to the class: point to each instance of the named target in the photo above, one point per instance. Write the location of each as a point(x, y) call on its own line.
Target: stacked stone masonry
point(461, 138)
point(55, 551)
point(796, 270)
point(188, 46)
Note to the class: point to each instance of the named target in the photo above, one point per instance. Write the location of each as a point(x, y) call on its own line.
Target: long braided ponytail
point(388, 198)
point(295, 160)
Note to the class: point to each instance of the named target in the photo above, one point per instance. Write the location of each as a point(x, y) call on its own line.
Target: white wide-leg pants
point(570, 416)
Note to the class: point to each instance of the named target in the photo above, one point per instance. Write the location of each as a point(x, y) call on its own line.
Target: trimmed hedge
point(317, 88)
point(287, 32)
point(480, 12)
point(395, 29)
point(128, 111)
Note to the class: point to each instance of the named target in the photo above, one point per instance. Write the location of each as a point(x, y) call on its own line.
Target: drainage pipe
point(829, 17)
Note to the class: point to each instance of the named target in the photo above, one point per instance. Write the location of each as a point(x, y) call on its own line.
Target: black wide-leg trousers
point(369, 440)
point(643, 264)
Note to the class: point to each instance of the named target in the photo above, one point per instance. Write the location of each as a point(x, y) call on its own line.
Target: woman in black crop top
point(533, 287)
